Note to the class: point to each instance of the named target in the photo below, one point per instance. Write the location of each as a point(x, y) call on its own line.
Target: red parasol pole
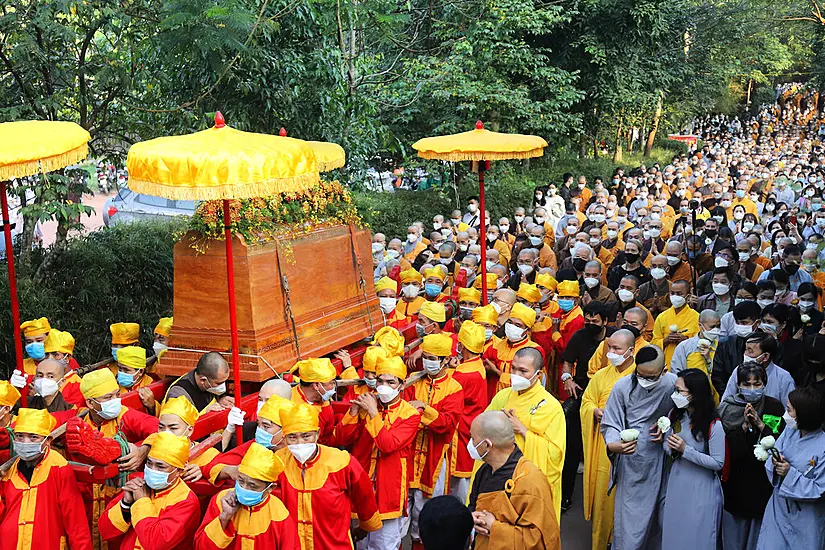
point(15, 305)
point(233, 319)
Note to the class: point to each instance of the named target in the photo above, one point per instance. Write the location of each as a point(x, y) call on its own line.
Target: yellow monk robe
point(44, 513)
point(598, 360)
point(545, 442)
point(686, 320)
point(523, 519)
point(696, 360)
point(598, 505)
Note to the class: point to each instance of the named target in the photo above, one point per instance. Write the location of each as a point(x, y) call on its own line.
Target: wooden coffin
point(329, 306)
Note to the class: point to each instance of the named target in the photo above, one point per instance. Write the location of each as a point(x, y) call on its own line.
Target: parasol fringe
point(228, 191)
point(47, 164)
point(460, 156)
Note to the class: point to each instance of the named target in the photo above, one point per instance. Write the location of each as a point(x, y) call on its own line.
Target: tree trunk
point(630, 141)
point(654, 127)
point(617, 154)
point(750, 88)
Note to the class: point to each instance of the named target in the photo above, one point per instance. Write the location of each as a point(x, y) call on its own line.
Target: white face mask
point(572, 230)
point(472, 449)
point(720, 262)
point(647, 384)
point(679, 400)
point(615, 359)
point(525, 269)
point(220, 389)
point(412, 237)
point(45, 387)
point(611, 234)
point(496, 306)
point(624, 295)
point(763, 303)
point(387, 304)
point(520, 383)
point(720, 289)
point(303, 451)
point(673, 260)
point(742, 330)
point(159, 347)
point(410, 291)
point(677, 301)
point(790, 421)
point(386, 393)
point(658, 273)
point(513, 333)
point(591, 282)
point(432, 366)
point(711, 334)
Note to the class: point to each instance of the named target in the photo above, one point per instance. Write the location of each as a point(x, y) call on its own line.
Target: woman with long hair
point(696, 444)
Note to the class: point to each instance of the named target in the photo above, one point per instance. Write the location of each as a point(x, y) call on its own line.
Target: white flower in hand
point(805, 318)
point(663, 423)
point(768, 442)
point(760, 453)
point(629, 435)
point(673, 328)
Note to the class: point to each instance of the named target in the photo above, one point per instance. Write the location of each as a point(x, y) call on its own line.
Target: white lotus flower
point(629, 435)
point(805, 318)
point(663, 423)
point(760, 453)
point(673, 328)
point(768, 442)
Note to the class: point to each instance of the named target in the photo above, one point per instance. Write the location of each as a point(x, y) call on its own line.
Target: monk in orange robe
point(40, 503)
point(157, 511)
point(321, 484)
point(407, 307)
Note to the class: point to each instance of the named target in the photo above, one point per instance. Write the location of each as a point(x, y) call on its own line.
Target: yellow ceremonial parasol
point(329, 155)
point(222, 163)
point(29, 147)
point(482, 146)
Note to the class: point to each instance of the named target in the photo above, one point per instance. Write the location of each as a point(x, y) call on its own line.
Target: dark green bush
point(123, 273)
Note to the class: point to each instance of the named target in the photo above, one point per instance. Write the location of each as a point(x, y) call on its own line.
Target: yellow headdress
point(529, 292)
point(261, 463)
point(315, 370)
point(394, 366)
point(35, 421)
point(182, 408)
point(410, 276)
point(8, 394)
point(36, 327)
point(469, 295)
point(390, 340)
point(164, 326)
point(471, 336)
point(437, 344)
point(59, 341)
point(171, 449)
point(124, 334)
point(491, 282)
point(385, 283)
point(436, 272)
point(300, 418)
point(547, 281)
point(523, 313)
point(133, 357)
point(433, 311)
point(274, 408)
point(372, 355)
point(97, 383)
point(568, 289)
point(486, 314)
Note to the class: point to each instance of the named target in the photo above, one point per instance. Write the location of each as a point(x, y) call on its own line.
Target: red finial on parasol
point(219, 120)
point(479, 125)
point(282, 133)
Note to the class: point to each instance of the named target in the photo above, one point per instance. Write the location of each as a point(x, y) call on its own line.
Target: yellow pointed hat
point(372, 355)
point(98, 382)
point(300, 418)
point(164, 326)
point(59, 341)
point(315, 370)
point(8, 394)
point(36, 327)
point(182, 408)
point(471, 336)
point(390, 339)
point(124, 334)
point(171, 449)
point(35, 421)
point(261, 463)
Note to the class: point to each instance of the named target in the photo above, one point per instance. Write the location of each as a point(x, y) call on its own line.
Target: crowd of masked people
point(659, 331)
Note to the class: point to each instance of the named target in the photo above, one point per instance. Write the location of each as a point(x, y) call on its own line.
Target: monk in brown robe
point(511, 500)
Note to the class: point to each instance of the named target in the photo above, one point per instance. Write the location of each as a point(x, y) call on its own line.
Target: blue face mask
point(816, 206)
point(36, 350)
point(566, 304)
point(432, 289)
point(154, 479)
point(751, 395)
point(328, 394)
point(125, 380)
point(114, 353)
point(264, 438)
point(247, 497)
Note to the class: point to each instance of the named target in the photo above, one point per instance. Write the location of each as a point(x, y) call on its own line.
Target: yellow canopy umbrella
point(329, 155)
point(222, 163)
point(482, 146)
point(29, 147)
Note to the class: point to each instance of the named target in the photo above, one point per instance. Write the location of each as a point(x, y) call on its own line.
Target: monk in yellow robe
point(510, 499)
point(537, 418)
point(677, 323)
point(634, 321)
point(598, 505)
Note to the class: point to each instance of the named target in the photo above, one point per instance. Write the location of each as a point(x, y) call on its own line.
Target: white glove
point(235, 417)
point(17, 379)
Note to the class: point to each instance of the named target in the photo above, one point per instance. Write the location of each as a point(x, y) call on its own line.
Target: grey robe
point(780, 384)
point(638, 479)
point(795, 516)
point(693, 499)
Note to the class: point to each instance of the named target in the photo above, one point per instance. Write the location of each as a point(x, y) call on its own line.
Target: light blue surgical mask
point(370, 382)
point(566, 304)
point(432, 290)
point(114, 353)
point(125, 380)
point(328, 394)
point(110, 409)
point(36, 350)
point(248, 497)
point(155, 479)
point(752, 395)
point(264, 438)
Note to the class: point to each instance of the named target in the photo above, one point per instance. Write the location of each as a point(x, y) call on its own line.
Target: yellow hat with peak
point(568, 289)
point(171, 449)
point(471, 336)
point(299, 419)
point(547, 281)
point(274, 408)
point(36, 327)
point(133, 357)
point(410, 276)
point(486, 314)
point(469, 295)
point(124, 334)
point(433, 311)
point(435, 272)
point(98, 382)
point(261, 463)
point(59, 341)
point(392, 365)
point(164, 326)
point(385, 283)
point(35, 421)
point(182, 408)
point(372, 355)
point(529, 292)
point(315, 370)
point(9, 395)
point(437, 344)
point(525, 314)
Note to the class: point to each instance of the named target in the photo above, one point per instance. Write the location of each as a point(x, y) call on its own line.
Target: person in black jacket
point(729, 353)
point(747, 417)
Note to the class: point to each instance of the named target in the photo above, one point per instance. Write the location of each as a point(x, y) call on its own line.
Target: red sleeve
point(449, 411)
point(107, 529)
point(326, 421)
point(137, 426)
point(232, 457)
point(74, 511)
point(177, 524)
point(202, 540)
point(345, 434)
point(400, 435)
point(569, 330)
point(363, 497)
point(286, 534)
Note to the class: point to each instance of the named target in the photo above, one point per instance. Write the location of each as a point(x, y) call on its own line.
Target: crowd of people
point(660, 332)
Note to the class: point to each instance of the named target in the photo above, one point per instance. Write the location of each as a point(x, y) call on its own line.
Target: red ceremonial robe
point(472, 377)
point(326, 417)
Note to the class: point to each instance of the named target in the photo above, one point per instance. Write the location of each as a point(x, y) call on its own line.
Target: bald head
point(276, 386)
point(505, 295)
point(495, 426)
point(50, 368)
point(622, 338)
point(709, 317)
point(213, 366)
